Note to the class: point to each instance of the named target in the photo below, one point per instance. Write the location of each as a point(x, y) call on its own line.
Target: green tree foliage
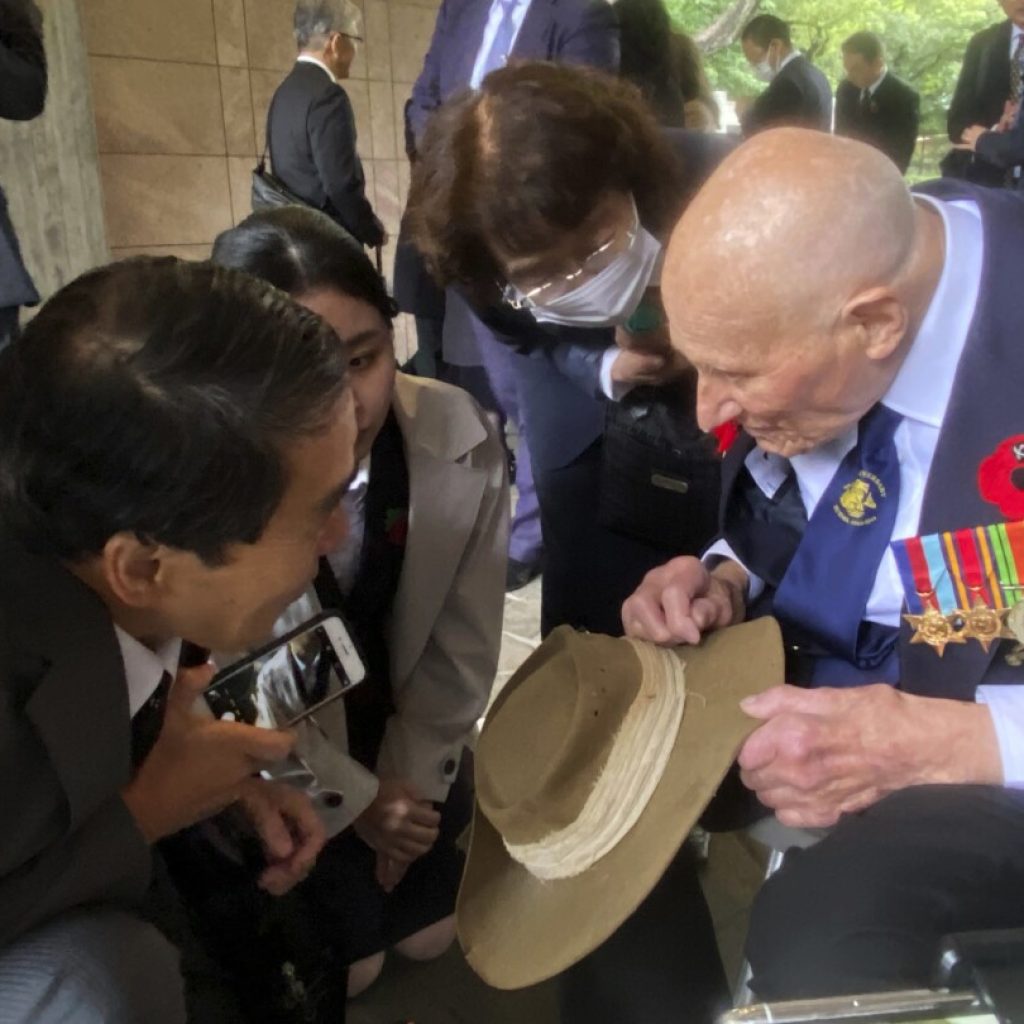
point(925, 40)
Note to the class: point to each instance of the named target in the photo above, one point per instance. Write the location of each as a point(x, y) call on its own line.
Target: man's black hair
point(866, 44)
point(766, 27)
point(159, 397)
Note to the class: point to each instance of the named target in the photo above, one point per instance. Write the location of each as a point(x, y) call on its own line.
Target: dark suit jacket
point(980, 96)
point(312, 135)
point(66, 837)
point(22, 97)
point(984, 410)
point(568, 31)
point(1002, 149)
point(889, 122)
point(798, 95)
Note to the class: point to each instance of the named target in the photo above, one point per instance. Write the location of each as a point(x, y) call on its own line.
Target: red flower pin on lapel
point(1001, 477)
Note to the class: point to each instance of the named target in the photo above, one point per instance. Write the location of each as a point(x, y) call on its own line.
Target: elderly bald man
point(868, 342)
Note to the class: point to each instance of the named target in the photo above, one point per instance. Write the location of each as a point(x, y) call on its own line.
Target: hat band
point(640, 751)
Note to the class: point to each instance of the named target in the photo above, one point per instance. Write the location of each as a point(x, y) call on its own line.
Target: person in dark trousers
point(22, 97)
point(311, 128)
point(798, 94)
point(875, 106)
point(987, 93)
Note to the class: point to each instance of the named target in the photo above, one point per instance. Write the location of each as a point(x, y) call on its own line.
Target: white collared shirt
point(144, 668)
point(306, 58)
point(921, 393)
point(491, 30)
point(344, 559)
point(1015, 34)
point(872, 89)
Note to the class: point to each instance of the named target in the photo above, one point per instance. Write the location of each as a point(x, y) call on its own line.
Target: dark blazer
point(889, 121)
point(66, 837)
point(798, 95)
point(312, 137)
point(984, 410)
point(1002, 149)
point(568, 31)
point(980, 96)
point(22, 97)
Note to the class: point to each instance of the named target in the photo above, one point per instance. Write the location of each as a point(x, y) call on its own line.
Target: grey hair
point(315, 20)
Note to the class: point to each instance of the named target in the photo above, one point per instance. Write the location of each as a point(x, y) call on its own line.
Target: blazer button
point(449, 766)
point(332, 799)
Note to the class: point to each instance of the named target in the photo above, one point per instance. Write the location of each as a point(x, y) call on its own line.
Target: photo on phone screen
point(286, 682)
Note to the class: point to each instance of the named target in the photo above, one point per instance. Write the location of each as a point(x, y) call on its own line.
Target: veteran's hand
point(681, 600)
point(400, 824)
point(198, 765)
point(290, 829)
point(827, 752)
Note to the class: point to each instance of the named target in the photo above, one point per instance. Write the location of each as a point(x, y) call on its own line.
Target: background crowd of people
point(638, 319)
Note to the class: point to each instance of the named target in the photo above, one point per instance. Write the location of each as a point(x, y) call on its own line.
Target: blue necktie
point(502, 42)
point(826, 587)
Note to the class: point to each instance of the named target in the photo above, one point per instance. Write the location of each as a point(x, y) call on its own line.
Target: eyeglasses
point(562, 284)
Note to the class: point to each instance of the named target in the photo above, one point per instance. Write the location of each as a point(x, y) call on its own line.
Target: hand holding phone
point(197, 766)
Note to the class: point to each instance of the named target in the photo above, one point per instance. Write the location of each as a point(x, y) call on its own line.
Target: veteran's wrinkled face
point(791, 392)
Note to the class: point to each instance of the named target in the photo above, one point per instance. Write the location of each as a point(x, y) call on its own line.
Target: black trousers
point(661, 967)
point(865, 909)
point(589, 570)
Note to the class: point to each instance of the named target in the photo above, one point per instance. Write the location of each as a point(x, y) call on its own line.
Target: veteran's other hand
point(198, 764)
point(825, 752)
point(289, 828)
point(400, 824)
point(681, 600)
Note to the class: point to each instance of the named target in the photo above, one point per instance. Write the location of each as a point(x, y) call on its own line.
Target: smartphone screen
point(286, 682)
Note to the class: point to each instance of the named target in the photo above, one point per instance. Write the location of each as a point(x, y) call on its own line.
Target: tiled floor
point(447, 991)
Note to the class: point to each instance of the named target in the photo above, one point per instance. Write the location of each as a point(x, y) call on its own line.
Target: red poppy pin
point(726, 435)
point(396, 526)
point(1001, 477)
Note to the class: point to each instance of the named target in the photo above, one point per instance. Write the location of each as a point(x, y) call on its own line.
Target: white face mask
point(611, 297)
point(763, 69)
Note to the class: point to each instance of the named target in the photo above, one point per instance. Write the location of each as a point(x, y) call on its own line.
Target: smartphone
point(291, 678)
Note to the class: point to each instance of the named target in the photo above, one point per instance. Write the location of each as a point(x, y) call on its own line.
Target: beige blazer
point(445, 629)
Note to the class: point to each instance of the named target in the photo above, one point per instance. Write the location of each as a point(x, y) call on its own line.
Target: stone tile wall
point(181, 90)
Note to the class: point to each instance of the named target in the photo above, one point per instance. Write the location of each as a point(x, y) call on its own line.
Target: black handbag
point(661, 475)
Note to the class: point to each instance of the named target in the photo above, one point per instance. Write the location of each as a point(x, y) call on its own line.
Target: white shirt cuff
point(612, 389)
point(721, 549)
point(1006, 704)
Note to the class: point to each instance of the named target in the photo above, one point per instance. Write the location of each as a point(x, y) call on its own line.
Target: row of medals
point(981, 623)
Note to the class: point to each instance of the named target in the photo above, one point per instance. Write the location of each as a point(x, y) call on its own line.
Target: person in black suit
point(875, 106)
point(987, 93)
point(311, 129)
point(22, 97)
point(1002, 148)
point(186, 490)
point(798, 94)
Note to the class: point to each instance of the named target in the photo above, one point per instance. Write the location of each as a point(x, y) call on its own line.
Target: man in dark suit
point(797, 94)
point(186, 490)
point(472, 38)
point(875, 106)
point(311, 129)
point(1001, 147)
point(22, 97)
point(902, 387)
point(987, 92)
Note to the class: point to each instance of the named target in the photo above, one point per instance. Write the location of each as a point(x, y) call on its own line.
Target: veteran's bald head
point(801, 249)
point(792, 223)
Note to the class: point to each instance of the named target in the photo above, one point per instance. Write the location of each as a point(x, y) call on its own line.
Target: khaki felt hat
point(594, 764)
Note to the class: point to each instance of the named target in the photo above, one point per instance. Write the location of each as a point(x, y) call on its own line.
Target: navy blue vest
point(986, 407)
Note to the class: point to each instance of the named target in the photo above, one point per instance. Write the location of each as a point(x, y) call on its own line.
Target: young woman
point(420, 581)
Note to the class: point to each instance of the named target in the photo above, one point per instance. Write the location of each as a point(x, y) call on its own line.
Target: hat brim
point(517, 930)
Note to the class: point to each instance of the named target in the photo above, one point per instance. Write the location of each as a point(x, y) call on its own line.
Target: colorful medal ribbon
point(965, 585)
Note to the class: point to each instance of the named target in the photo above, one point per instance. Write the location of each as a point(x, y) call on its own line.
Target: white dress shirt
point(305, 58)
point(144, 668)
point(491, 30)
point(921, 393)
point(344, 559)
point(872, 89)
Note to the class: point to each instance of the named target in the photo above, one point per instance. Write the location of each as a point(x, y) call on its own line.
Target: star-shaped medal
point(984, 624)
point(935, 629)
